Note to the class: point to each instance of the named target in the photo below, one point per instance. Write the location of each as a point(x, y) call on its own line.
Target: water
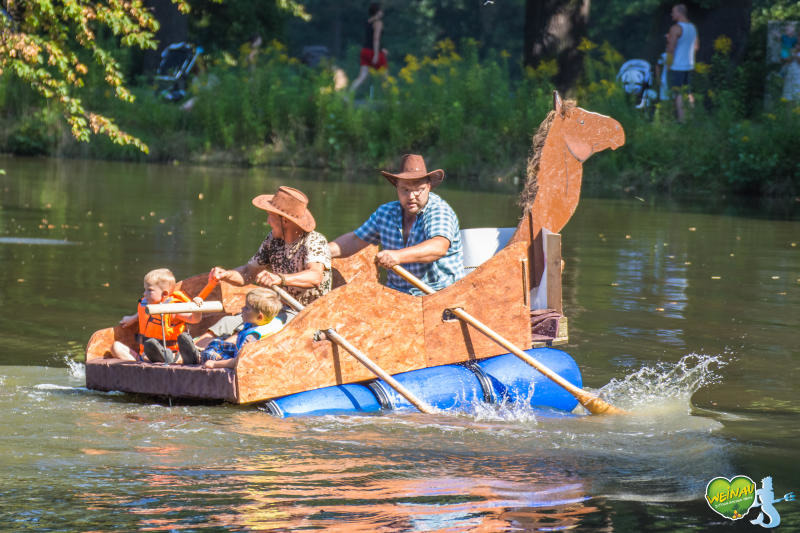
point(686, 318)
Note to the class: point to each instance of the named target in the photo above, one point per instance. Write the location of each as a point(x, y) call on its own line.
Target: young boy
point(159, 287)
point(258, 313)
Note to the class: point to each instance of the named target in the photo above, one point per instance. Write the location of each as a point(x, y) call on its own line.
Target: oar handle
point(213, 282)
point(593, 403)
point(362, 358)
point(184, 307)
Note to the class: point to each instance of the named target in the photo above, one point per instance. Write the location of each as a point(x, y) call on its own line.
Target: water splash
point(655, 383)
point(77, 370)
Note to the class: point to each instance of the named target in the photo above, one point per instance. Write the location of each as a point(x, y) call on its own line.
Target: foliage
point(50, 45)
point(464, 110)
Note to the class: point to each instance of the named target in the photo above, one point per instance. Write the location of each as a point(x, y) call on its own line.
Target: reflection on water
point(152, 466)
point(649, 289)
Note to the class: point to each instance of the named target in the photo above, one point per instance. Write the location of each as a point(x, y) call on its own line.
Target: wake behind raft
point(422, 345)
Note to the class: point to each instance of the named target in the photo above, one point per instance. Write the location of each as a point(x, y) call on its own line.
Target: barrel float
point(352, 398)
point(515, 381)
point(503, 378)
point(445, 387)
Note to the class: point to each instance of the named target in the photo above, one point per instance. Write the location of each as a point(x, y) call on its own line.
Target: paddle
point(362, 358)
point(591, 402)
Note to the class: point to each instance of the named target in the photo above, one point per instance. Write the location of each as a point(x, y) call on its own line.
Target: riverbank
point(466, 113)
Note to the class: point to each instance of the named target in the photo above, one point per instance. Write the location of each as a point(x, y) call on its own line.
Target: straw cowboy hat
point(288, 203)
point(413, 168)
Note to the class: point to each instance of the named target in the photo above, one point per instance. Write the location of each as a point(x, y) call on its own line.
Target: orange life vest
point(150, 325)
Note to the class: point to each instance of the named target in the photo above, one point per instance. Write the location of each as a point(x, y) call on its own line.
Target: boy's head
point(261, 306)
point(158, 284)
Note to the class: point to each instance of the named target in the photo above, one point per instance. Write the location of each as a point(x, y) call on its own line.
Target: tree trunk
point(730, 18)
point(553, 30)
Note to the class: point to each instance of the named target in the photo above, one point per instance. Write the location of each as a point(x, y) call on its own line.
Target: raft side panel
point(176, 381)
point(494, 293)
point(380, 322)
point(361, 264)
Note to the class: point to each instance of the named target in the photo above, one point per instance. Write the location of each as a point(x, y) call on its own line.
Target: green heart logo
point(731, 498)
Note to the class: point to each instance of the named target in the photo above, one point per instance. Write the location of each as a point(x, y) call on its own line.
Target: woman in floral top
point(293, 256)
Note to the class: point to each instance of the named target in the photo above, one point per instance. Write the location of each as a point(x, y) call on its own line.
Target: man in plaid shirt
point(420, 231)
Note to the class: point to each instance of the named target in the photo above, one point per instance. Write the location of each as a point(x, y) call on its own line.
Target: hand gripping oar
point(592, 403)
point(362, 358)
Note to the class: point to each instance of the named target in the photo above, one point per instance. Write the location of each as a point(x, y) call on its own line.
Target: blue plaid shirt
point(385, 227)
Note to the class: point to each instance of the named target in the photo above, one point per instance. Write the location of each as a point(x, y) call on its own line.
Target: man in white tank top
point(682, 43)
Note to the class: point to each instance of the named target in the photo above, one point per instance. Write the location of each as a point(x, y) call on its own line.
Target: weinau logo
point(733, 498)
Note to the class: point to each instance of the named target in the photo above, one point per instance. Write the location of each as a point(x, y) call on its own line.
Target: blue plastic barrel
point(443, 387)
point(513, 380)
point(352, 398)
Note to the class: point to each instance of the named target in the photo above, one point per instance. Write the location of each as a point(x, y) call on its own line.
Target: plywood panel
point(383, 323)
point(494, 294)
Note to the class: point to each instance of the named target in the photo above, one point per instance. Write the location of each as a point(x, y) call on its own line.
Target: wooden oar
point(362, 358)
point(591, 402)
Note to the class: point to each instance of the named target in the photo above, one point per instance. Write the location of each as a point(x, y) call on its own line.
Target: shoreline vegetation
point(471, 111)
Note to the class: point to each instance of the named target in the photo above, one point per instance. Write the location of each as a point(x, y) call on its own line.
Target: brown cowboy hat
point(288, 203)
point(413, 168)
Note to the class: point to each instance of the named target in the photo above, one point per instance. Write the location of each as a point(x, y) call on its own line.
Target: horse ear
point(557, 102)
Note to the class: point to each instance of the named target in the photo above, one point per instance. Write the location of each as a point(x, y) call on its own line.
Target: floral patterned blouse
point(283, 258)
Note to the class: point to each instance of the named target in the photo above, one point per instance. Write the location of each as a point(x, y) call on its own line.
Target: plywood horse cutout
point(567, 137)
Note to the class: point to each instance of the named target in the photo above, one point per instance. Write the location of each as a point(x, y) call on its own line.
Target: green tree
point(56, 46)
point(51, 45)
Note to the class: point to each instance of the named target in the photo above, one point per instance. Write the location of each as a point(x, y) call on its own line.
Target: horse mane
point(531, 187)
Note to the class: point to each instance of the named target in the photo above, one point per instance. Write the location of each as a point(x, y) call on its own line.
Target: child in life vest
point(259, 315)
point(159, 288)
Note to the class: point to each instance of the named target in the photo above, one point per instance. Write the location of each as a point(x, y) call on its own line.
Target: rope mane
point(528, 193)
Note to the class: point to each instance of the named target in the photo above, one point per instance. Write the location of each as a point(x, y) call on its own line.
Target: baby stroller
point(177, 61)
point(636, 77)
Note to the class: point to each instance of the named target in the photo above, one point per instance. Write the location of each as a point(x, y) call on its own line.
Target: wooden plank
point(381, 322)
point(493, 295)
point(553, 246)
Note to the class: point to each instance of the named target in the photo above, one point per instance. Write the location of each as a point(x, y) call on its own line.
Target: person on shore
point(259, 316)
point(791, 76)
point(156, 330)
point(372, 55)
point(419, 230)
point(682, 44)
point(293, 256)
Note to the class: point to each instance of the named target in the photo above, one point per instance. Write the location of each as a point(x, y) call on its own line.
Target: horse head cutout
point(566, 138)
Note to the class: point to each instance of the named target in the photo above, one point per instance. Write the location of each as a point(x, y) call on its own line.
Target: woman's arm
point(376, 41)
point(305, 279)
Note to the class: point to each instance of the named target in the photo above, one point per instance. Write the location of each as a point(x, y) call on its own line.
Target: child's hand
point(197, 300)
point(209, 364)
point(128, 320)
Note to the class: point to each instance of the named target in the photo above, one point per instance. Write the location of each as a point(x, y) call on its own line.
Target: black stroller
point(177, 61)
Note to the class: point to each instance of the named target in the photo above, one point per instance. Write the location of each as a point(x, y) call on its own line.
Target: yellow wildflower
point(701, 68)
point(723, 45)
point(586, 45)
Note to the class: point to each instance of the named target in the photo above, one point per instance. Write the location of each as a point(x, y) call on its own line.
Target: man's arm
point(346, 245)
point(424, 252)
point(672, 41)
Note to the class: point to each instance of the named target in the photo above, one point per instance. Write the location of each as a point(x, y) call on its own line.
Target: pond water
point(685, 315)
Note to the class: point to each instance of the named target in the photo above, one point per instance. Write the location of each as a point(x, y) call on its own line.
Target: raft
point(513, 285)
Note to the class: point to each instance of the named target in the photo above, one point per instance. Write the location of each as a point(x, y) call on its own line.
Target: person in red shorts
point(372, 55)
